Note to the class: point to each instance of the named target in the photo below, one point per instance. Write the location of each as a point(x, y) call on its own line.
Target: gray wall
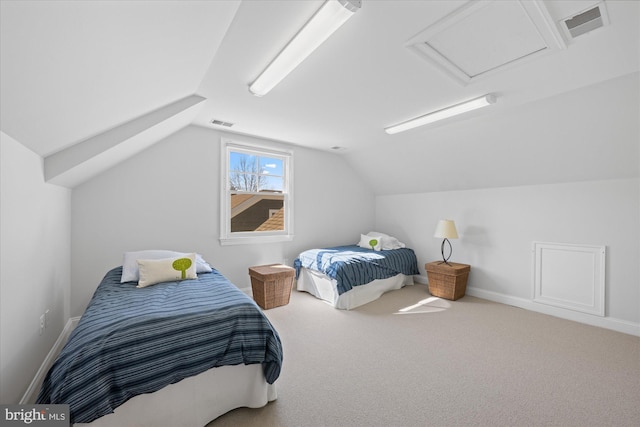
point(35, 229)
point(167, 197)
point(563, 170)
point(497, 227)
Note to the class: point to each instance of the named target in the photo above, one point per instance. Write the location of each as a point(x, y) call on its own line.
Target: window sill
point(253, 240)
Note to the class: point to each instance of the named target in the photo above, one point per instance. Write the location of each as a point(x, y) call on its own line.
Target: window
point(256, 196)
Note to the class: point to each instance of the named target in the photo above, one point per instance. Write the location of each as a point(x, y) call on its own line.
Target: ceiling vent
point(221, 123)
point(585, 21)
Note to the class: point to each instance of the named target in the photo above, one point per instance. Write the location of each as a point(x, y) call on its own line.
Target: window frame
point(227, 237)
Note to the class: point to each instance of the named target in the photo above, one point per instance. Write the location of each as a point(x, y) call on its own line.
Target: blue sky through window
point(270, 168)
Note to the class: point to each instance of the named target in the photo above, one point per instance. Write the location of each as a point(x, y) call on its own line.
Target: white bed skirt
point(325, 288)
point(194, 401)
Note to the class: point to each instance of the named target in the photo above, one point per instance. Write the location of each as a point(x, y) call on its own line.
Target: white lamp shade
point(446, 229)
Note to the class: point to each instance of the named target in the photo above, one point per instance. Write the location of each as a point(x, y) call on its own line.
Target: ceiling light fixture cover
point(325, 22)
point(445, 113)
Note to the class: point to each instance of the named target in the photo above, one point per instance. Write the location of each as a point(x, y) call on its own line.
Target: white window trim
point(253, 237)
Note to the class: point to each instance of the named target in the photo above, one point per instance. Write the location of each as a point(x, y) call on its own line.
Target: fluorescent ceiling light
point(326, 20)
point(442, 114)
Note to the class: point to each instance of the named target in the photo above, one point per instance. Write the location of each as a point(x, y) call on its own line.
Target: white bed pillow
point(370, 242)
point(130, 265)
point(173, 269)
point(388, 242)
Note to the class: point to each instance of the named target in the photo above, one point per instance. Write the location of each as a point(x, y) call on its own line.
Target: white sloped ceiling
point(74, 71)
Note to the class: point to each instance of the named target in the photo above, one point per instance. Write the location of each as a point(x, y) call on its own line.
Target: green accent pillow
point(153, 271)
point(370, 242)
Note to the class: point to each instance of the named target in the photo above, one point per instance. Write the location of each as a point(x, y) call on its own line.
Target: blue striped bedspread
point(135, 340)
point(353, 266)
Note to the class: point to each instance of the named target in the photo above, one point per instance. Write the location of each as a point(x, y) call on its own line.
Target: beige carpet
point(409, 359)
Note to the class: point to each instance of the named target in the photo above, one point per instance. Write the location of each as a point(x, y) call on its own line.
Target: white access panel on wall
point(569, 276)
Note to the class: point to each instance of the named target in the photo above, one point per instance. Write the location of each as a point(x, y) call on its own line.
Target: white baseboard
point(420, 279)
point(614, 324)
point(31, 394)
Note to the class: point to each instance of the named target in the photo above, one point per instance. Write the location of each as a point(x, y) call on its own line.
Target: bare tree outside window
point(246, 175)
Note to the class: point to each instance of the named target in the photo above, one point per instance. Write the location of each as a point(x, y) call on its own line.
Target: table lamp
point(446, 229)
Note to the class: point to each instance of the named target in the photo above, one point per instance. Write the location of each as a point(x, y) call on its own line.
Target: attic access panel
point(484, 37)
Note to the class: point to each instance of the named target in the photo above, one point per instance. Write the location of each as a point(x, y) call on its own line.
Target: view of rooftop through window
point(256, 191)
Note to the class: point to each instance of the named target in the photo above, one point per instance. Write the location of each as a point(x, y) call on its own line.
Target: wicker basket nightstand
point(271, 284)
point(447, 281)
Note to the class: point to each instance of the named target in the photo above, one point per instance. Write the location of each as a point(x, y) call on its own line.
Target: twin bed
point(349, 276)
point(168, 340)
point(179, 352)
